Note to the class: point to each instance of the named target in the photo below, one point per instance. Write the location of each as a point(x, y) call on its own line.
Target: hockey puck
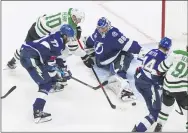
point(134, 103)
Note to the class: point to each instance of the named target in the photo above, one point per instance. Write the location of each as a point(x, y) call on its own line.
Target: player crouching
point(113, 52)
point(41, 57)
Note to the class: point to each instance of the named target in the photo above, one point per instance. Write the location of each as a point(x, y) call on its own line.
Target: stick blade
point(11, 89)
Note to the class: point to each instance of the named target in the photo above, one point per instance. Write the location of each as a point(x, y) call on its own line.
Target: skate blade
point(42, 120)
point(64, 84)
point(8, 68)
point(54, 91)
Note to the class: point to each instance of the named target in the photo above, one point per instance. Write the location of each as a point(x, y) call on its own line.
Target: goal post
point(174, 19)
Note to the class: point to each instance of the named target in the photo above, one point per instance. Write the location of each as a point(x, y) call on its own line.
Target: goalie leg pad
point(120, 87)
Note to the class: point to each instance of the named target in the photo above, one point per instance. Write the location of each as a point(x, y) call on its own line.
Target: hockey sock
point(17, 55)
point(164, 113)
point(145, 124)
point(40, 102)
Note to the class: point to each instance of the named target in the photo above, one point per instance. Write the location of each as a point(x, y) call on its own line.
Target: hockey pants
point(38, 71)
point(150, 94)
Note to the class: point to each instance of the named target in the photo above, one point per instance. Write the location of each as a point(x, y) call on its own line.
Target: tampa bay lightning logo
point(99, 48)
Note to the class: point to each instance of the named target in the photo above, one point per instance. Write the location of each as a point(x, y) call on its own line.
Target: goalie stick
point(11, 90)
point(111, 104)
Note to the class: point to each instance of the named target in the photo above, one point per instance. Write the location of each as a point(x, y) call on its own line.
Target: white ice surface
point(77, 108)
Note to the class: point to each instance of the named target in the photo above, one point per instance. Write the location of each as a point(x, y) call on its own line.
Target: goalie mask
point(103, 25)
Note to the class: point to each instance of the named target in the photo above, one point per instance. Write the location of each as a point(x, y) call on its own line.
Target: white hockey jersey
point(176, 68)
point(51, 23)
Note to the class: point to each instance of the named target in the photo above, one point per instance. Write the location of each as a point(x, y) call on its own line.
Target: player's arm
point(165, 65)
point(74, 48)
point(126, 44)
point(46, 55)
point(90, 40)
point(64, 72)
point(47, 43)
point(61, 62)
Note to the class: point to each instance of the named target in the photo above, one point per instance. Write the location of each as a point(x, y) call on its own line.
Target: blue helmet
point(165, 43)
point(103, 22)
point(66, 29)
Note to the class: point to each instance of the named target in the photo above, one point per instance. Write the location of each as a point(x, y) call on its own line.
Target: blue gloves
point(66, 74)
point(59, 65)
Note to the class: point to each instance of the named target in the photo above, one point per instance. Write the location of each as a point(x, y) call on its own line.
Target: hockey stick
point(11, 89)
point(112, 105)
point(181, 112)
point(95, 88)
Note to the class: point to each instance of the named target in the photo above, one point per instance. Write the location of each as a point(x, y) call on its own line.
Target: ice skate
point(11, 64)
point(158, 128)
point(40, 116)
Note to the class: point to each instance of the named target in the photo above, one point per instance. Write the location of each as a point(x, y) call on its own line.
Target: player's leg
point(182, 101)
point(12, 63)
point(144, 86)
point(154, 110)
point(168, 101)
point(119, 68)
point(122, 63)
point(167, 106)
point(31, 36)
point(40, 75)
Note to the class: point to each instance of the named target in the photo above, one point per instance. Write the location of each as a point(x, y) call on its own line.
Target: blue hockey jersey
point(151, 61)
point(46, 47)
point(109, 46)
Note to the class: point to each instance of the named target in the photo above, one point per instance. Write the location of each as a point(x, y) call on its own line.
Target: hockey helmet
point(165, 43)
point(103, 25)
point(77, 15)
point(67, 30)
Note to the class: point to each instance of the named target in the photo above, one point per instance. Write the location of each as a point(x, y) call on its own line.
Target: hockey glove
point(65, 73)
point(51, 64)
point(90, 52)
point(87, 61)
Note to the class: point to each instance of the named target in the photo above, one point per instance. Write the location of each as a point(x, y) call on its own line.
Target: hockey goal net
point(174, 21)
